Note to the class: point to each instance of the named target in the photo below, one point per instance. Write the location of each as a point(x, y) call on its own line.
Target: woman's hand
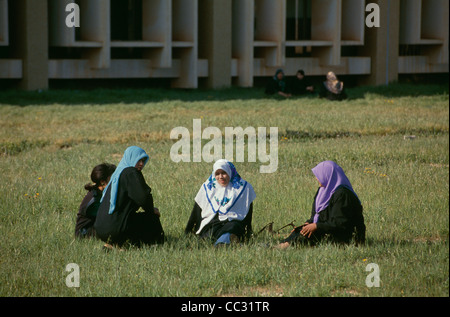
point(156, 211)
point(284, 94)
point(308, 229)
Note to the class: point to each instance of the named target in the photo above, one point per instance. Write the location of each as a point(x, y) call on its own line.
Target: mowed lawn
point(393, 143)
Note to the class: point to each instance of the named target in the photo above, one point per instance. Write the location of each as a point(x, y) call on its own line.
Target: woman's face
point(222, 177)
point(140, 164)
point(103, 184)
point(331, 76)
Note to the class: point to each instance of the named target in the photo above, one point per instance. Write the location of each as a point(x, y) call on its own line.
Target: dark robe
point(325, 93)
point(275, 85)
point(215, 228)
point(125, 223)
point(339, 221)
point(87, 213)
point(298, 86)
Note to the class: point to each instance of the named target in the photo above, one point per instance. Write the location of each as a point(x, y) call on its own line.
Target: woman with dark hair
point(87, 212)
point(300, 85)
point(118, 220)
point(337, 213)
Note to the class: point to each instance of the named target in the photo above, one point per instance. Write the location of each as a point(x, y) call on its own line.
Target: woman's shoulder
point(130, 174)
point(130, 171)
point(343, 192)
point(250, 187)
point(88, 197)
point(241, 184)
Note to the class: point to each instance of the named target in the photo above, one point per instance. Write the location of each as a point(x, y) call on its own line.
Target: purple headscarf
point(331, 176)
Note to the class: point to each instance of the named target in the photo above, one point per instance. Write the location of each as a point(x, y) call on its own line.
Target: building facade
point(220, 43)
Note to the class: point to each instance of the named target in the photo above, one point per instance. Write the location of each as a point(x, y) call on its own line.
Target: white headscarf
point(333, 84)
point(231, 202)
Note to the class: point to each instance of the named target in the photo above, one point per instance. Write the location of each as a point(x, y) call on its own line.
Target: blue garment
point(131, 156)
point(225, 239)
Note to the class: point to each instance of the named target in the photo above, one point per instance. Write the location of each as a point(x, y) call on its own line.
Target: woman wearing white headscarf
point(223, 206)
point(333, 89)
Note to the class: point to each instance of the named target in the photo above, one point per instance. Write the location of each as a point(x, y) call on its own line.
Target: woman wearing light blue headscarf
point(117, 219)
point(336, 211)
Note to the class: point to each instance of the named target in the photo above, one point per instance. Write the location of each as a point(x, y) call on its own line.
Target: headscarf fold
point(333, 84)
point(331, 176)
point(231, 202)
point(131, 156)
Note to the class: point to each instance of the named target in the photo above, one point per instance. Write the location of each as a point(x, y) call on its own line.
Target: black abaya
point(125, 223)
point(215, 228)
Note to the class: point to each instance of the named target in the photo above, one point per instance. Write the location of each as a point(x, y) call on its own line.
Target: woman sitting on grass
point(332, 88)
point(118, 220)
point(336, 211)
point(223, 206)
point(277, 85)
point(87, 212)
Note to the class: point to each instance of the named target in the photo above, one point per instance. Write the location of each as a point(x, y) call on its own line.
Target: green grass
point(50, 141)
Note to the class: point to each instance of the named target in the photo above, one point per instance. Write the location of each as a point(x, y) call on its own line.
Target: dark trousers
point(218, 228)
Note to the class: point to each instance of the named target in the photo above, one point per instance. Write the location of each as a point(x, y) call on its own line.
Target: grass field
point(50, 141)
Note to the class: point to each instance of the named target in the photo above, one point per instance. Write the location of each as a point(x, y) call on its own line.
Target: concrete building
point(220, 43)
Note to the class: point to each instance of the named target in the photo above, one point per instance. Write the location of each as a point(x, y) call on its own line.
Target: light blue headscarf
point(131, 156)
point(281, 83)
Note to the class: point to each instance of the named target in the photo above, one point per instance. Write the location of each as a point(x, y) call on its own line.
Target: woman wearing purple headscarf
point(336, 211)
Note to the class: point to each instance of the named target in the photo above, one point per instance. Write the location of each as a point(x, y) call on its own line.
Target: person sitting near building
point(332, 88)
point(223, 206)
point(87, 211)
point(277, 85)
point(301, 85)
